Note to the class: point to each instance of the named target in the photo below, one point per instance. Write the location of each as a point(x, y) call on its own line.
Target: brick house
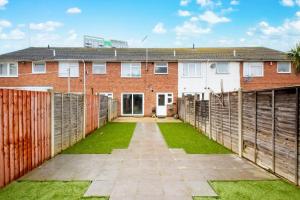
point(146, 81)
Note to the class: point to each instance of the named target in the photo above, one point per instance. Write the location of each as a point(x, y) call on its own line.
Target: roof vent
point(115, 52)
point(234, 53)
point(174, 53)
point(54, 53)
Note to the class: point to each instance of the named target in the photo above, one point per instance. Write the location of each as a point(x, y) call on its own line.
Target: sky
point(166, 23)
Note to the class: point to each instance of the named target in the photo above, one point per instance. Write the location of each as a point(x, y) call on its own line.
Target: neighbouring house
point(146, 81)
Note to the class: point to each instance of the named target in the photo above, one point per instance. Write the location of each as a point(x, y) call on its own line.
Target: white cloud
point(5, 23)
point(184, 2)
point(194, 19)
point(234, 2)
point(190, 29)
point(212, 18)
point(3, 3)
point(15, 34)
point(184, 13)
point(45, 26)
point(159, 28)
point(204, 3)
point(298, 14)
point(288, 3)
point(74, 10)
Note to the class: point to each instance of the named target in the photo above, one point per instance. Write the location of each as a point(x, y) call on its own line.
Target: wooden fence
point(24, 132)
point(103, 111)
point(68, 120)
point(112, 109)
point(262, 126)
point(92, 113)
point(37, 125)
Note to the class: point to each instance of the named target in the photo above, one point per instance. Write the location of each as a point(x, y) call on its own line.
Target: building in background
point(147, 81)
point(98, 42)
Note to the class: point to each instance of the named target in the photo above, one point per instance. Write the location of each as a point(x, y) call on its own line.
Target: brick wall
point(271, 78)
point(149, 83)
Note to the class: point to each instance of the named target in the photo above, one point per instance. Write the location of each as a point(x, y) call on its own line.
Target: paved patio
point(148, 170)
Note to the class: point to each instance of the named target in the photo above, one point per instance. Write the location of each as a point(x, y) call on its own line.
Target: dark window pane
point(127, 104)
point(137, 104)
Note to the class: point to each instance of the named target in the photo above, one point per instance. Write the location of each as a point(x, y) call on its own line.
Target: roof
point(139, 54)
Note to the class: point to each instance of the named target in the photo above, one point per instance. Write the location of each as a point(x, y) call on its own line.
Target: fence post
point(99, 108)
point(62, 121)
point(240, 127)
point(229, 119)
point(209, 116)
point(297, 138)
point(84, 114)
point(52, 121)
point(195, 111)
point(255, 128)
point(273, 130)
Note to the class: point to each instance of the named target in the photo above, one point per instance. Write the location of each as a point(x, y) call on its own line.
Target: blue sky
point(167, 23)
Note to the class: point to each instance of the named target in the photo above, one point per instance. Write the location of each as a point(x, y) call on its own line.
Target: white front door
point(161, 104)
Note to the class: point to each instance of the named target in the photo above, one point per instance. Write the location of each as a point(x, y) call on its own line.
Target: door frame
point(132, 93)
point(166, 100)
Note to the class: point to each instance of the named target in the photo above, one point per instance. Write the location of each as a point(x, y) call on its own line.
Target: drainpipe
point(84, 97)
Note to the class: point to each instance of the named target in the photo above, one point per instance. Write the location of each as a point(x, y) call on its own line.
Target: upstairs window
point(222, 68)
point(131, 70)
point(253, 69)
point(283, 67)
point(161, 68)
point(99, 68)
point(8, 69)
point(38, 67)
point(68, 69)
point(191, 70)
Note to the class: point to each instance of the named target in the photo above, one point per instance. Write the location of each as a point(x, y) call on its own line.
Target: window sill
point(283, 72)
point(9, 76)
point(161, 73)
point(38, 73)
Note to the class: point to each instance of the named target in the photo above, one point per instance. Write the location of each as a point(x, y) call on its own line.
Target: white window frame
point(218, 64)
point(131, 65)
point(172, 96)
point(33, 65)
point(248, 65)
point(107, 94)
point(189, 75)
point(132, 93)
point(95, 64)
point(8, 75)
point(156, 65)
point(290, 68)
point(68, 64)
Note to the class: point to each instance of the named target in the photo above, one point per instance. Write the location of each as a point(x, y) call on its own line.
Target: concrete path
point(148, 170)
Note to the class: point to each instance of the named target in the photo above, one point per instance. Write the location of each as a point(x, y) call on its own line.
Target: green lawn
point(54, 190)
point(254, 190)
point(104, 140)
point(183, 135)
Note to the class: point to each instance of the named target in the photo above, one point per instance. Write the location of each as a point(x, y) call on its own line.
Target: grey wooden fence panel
point(68, 120)
point(57, 122)
point(103, 111)
point(285, 140)
point(270, 126)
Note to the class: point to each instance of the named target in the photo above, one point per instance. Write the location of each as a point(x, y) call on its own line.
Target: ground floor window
point(132, 104)
point(107, 94)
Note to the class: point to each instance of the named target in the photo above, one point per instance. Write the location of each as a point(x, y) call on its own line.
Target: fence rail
point(262, 126)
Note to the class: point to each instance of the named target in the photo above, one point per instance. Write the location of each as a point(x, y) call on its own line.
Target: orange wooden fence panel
point(24, 132)
point(92, 111)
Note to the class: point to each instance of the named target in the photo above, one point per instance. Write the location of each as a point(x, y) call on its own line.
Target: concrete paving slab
point(99, 188)
point(148, 170)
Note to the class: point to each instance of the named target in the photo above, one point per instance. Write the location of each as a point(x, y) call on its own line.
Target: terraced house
point(146, 81)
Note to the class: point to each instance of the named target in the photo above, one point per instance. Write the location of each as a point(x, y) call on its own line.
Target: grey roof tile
point(139, 54)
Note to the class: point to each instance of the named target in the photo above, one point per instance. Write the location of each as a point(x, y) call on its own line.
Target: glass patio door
point(133, 104)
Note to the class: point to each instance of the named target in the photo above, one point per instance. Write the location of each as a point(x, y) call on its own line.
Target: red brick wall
point(110, 82)
point(271, 78)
